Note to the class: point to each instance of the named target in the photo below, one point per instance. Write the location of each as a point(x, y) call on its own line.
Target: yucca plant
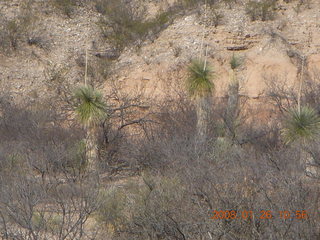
point(234, 62)
point(90, 112)
point(301, 124)
point(200, 88)
point(199, 80)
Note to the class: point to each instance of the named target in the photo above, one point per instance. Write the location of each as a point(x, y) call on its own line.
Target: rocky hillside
point(43, 46)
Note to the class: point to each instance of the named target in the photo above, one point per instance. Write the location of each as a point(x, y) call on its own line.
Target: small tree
point(200, 88)
point(90, 112)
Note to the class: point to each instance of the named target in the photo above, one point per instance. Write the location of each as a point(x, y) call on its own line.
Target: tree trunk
point(92, 148)
point(203, 114)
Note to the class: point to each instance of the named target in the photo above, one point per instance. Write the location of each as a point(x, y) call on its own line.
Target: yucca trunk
point(233, 102)
point(310, 167)
point(308, 164)
point(203, 115)
point(92, 148)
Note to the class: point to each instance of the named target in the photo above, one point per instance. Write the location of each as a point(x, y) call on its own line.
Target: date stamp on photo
point(263, 214)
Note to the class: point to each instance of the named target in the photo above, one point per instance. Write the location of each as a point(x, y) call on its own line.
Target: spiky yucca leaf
point(91, 109)
point(199, 83)
point(301, 125)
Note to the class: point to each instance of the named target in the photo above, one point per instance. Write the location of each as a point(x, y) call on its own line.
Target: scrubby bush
point(215, 16)
point(122, 25)
point(263, 10)
point(147, 210)
point(13, 31)
point(65, 6)
point(230, 2)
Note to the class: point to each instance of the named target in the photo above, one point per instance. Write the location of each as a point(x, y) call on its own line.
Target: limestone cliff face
point(270, 51)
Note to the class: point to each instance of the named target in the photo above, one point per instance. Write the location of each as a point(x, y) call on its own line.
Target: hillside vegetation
point(159, 120)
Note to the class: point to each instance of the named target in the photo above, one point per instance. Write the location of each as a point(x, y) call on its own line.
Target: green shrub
point(77, 157)
point(112, 207)
point(263, 10)
point(38, 220)
point(195, 3)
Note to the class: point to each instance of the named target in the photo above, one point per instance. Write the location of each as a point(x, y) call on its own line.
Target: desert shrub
point(38, 41)
point(263, 10)
point(215, 16)
point(194, 4)
point(301, 5)
point(122, 25)
point(137, 211)
point(111, 209)
point(229, 3)
point(177, 51)
point(65, 6)
point(100, 69)
point(76, 160)
point(41, 184)
point(189, 3)
point(13, 31)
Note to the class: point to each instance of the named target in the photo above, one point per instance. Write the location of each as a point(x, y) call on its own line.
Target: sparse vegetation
point(65, 6)
point(174, 188)
point(263, 10)
point(229, 3)
point(121, 25)
point(216, 16)
point(120, 164)
point(177, 51)
point(14, 31)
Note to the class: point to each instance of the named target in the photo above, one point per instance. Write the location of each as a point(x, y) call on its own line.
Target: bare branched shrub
point(38, 41)
point(46, 192)
point(229, 3)
point(14, 31)
point(261, 10)
point(122, 24)
point(65, 6)
point(215, 16)
point(149, 210)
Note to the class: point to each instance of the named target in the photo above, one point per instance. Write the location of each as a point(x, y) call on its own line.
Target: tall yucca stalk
point(200, 88)
point(233, 97)
point(90, 112)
